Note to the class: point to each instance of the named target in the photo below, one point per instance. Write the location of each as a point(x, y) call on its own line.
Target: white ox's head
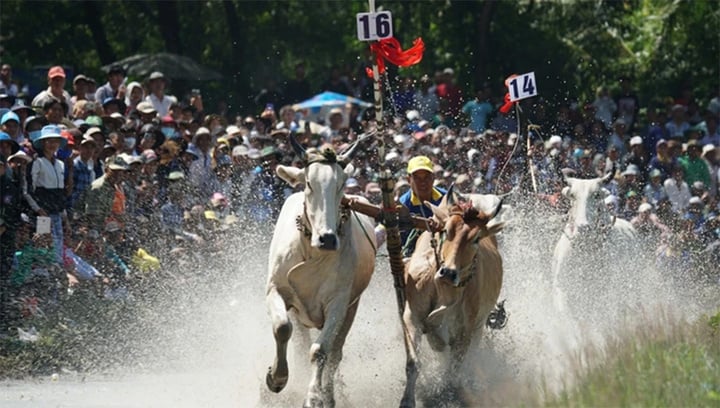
point(324, 178)
point(587, 210)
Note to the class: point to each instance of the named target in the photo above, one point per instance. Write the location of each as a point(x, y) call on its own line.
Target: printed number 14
point(528, 87)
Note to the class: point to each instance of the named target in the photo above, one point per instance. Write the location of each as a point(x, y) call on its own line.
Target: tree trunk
point(483, 35)
point(241, 100)
point(169, 25)
point(92, 19)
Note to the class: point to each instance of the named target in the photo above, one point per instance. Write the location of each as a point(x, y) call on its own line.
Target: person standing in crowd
point(48, 182)
point(604, 106)
point(83, 169)
point(80, 89)
point(201, 175)
point(298, 88)
point(95, 205)
point(160, 102)
point(55, 91)
point(677, 190)
point(710, 154)
point(695, 168)
point(478, 111)
point(7, 86)
point(628, 104)
point(114, 87)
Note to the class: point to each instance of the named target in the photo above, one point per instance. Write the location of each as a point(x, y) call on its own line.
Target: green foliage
point(662, 366)
point(573, 46)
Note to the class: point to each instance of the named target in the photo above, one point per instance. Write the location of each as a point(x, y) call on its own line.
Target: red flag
point(505, 109)
point(390, 49)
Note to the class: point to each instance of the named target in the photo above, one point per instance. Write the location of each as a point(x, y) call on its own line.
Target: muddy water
point(216, 349)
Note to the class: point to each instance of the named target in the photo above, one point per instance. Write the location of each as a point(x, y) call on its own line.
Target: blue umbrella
point(330, 99)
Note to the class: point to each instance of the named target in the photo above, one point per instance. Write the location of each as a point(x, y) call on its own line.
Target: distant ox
point(594, 250)
point(321, 259)
point(450, 292)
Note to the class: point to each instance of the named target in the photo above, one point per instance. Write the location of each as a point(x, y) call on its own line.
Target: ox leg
point(412, 336)
point(277, 375)
point(320, 350)
point(335, 356)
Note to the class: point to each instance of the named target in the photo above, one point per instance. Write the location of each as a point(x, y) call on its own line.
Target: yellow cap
point(419, 163)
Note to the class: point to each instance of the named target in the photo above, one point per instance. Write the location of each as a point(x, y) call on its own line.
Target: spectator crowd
point(107, 182)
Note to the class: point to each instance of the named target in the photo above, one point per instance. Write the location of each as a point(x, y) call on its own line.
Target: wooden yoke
point(407, 220)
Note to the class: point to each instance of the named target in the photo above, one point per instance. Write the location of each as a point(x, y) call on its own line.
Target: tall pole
point(387, 185)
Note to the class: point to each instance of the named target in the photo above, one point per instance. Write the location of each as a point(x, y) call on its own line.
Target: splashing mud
point(208, 341)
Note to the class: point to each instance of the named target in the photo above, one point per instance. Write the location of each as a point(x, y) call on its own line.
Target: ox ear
point(292, 175)
point(566, 191)
point(438, 211)
point(349, 170)
point(491, 230)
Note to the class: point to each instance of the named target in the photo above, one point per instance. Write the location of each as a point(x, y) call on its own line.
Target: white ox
point(450, 293)
point(591, 257)
point(321, 260)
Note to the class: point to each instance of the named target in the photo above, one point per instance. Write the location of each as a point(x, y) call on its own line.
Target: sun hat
point(352, 183)
point(8, 116)
point(419, 163)
point(50, 132)
point(145, 107)
point(20, 155)
point(117, 163)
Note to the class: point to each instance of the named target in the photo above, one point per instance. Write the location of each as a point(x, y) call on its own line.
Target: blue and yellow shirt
point(416, 207)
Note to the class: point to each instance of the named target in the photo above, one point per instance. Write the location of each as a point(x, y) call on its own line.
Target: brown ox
point(450, 292)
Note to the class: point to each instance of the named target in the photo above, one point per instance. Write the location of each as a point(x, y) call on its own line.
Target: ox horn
point(451, 195)
point(350, 152)
point(299, 150)
point(497, 209)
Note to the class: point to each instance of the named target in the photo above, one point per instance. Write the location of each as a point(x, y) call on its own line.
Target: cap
point(145, 107)
point(149, 156)
point(175, 175)
point(56, 71)
point(352, 182)
point(695, 200)
point(448, 71)
point(371, 188)
point(92, 131)
point(619, 121)
point(644, 207)
point(232, 130)
point(655, 173)
point(156, 75)
point(661, 142)
point(708, 148)
point(79, 78)
point(87, 140)
point(419, 163)
point(636, 140)
point(240, 150)
point(94, 120)
point(698, 185)
point(555, 139)
point(631, 170)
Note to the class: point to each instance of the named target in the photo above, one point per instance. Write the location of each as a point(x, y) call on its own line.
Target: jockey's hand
point(434, 225)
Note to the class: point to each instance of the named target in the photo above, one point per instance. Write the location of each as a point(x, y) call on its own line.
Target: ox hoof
point(407, 403)
point(274, 384)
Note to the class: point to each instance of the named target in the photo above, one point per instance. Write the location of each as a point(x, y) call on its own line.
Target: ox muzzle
point(328, 241)
point(449, 275)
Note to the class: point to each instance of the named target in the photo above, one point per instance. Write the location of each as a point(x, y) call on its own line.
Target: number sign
point(374, 26)
point(522, 86)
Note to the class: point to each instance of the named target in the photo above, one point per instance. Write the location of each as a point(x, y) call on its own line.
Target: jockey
point(421, 178)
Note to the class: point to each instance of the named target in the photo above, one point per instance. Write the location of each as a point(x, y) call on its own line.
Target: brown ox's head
point(464, 227)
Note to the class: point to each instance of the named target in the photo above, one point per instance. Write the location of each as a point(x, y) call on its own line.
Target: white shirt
point(46, 174)
point(161, 106)
point(679, 196)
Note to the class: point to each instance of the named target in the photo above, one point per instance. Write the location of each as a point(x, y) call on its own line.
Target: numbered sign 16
point(522, 86)
point(374, 26)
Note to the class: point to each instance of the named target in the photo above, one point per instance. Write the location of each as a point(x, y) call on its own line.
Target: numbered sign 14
point(522, 86)
point(374, 26)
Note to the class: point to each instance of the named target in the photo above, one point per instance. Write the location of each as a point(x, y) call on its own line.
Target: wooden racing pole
point(387, 185)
